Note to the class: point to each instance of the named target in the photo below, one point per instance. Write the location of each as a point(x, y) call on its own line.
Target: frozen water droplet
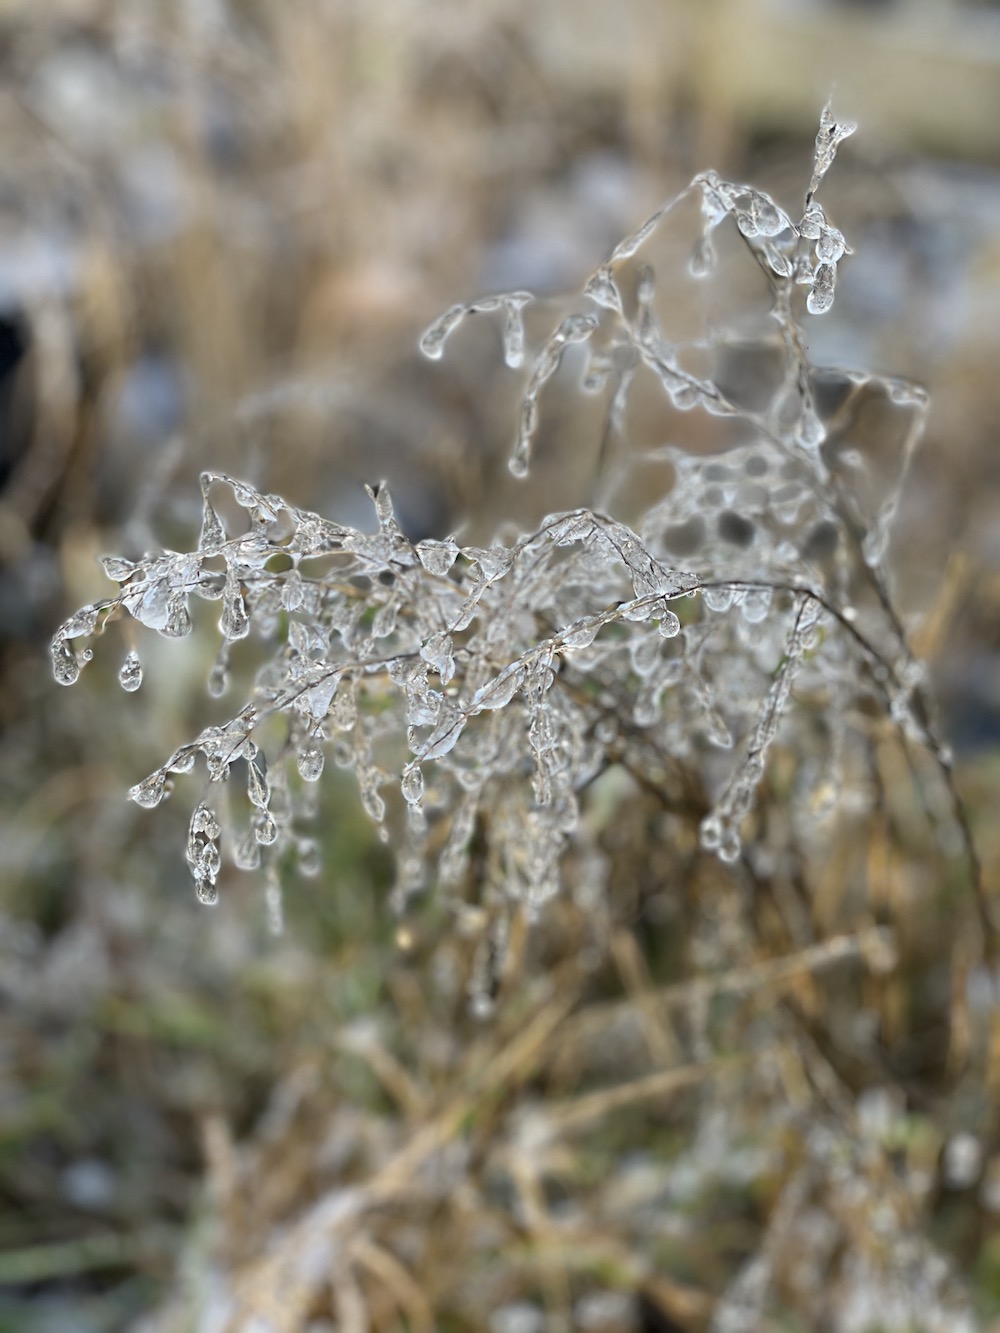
point(437, 652)
point(309, 860)
point(498, 692)
point(149, 792)
point(755, 605)
point(718, 599)
point(218, 678)
point(830, 246)
point(810, 431)
point(204, 820)
point(670, 625)
point(130, 675)
point(235, 623)
point(582, 634)
point(437, 557)
point(118, 569)
point(373, 804)
point(206, 891)
point(247, 853)
point(747, 223)
point(729, 847)
point(646, 710)
point(413, 785)
point(640, 609)
point(84, 622)
point(813, 222)
point(821, 294)
point(310, 760)
point(644, 653)
point(265, 830)
point(711, 832)
point(292, 591)
point(65, 666)
point(181, 761)
point(518, 464)
point(178, 621)
point(433, 340)
point(258, 788)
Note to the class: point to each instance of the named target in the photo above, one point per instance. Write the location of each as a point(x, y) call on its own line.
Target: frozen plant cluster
point(490, 687)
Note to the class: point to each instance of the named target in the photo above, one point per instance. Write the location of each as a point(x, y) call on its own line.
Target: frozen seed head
point(497, 685)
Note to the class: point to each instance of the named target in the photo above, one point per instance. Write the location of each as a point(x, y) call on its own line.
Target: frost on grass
point(478, 692)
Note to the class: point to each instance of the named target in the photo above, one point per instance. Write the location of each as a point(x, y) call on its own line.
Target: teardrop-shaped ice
point(234, 623)
point(130, 675)
point(266, 831)
point(149, 792)
point(65, 666)
point(207, 892)
point(670, 625)
point(258, 788)
point(413, 785)
point(310, 760)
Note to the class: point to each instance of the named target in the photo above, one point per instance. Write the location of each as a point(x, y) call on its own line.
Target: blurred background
point(223, 226)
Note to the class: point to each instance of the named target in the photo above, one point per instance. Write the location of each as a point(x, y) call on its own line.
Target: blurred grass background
point(223, 225)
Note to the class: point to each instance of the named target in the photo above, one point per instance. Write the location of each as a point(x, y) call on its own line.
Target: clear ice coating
point(831, 134)
point(497, 684)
